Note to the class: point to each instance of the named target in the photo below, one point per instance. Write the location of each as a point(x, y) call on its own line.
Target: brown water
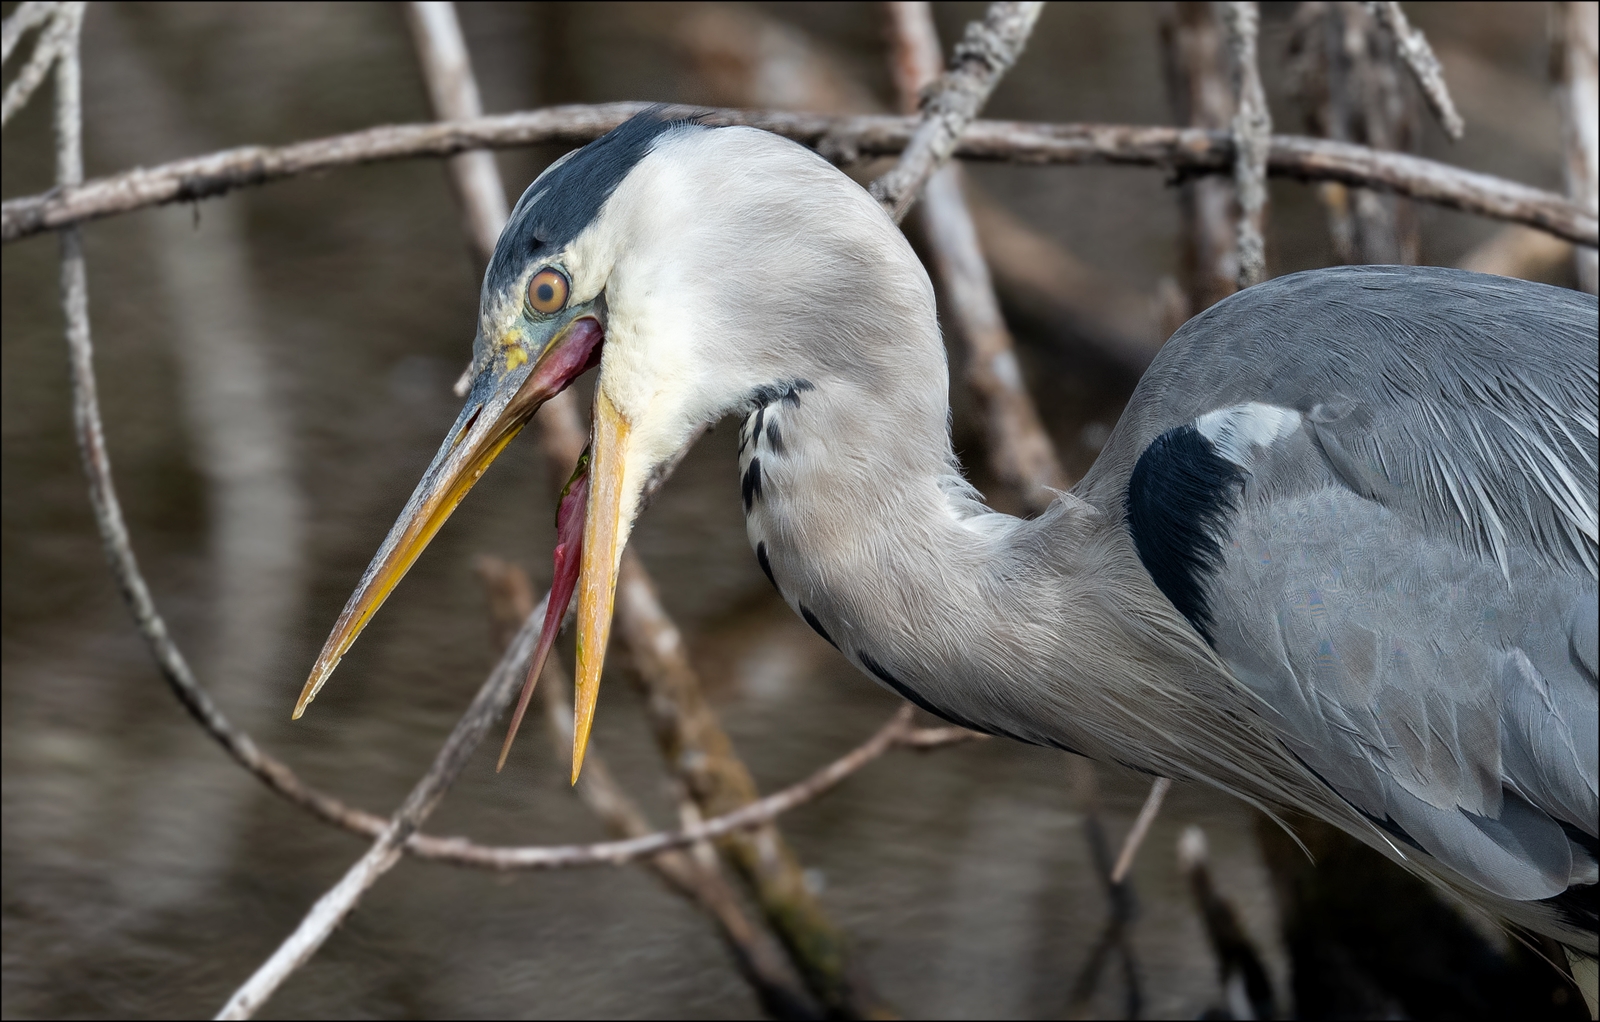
point(275, 368)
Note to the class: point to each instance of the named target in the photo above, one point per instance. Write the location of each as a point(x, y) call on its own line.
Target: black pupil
point(546, 292)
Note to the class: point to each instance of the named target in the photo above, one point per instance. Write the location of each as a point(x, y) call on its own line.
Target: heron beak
point(502, 400)
point(605, 530)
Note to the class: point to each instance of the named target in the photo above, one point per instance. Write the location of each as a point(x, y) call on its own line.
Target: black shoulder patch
point(1180, 496)
point(567, 197)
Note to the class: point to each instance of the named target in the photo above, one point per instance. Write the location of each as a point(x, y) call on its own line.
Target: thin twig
point(331, 909)
point(1419, 57)
point(492, 700)
point(756, 953)
point(951, 102)
point(1576, 66)
point(29, 14)
point(1020, 451)
point(1116, 937)
point(702, 756)
point(1247, 989)
point(1195, 61)
point(453, 93)
point(1348, 78)
point(1252, 134)
point(894, 733)
point(1141, 827)
point(1180, 151)
point(61, 32)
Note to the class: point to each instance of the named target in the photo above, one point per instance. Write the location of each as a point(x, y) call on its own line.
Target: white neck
point(856, 507)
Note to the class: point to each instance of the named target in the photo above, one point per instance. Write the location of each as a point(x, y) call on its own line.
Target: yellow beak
point(604, 533)
point(502, 401)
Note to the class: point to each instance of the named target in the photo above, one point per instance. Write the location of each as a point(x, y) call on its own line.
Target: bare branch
point(1141, 827)
point(1252, 135)
point(1349, 81)
point(758, 956)
point(702, 756)
point(894, 733)
point(61, 32)
point(29, 14)
point(331, 909)
point(1418, 56)
point(1195, 61)
point(1238, 962)
point(1177, 150)
point(453, 92)
point(1020, 450)
point(915, 58)
point(949, 104)
point(1115, 938)
point(1576, 64)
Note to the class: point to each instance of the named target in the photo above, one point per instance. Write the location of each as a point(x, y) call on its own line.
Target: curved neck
point(856, 509)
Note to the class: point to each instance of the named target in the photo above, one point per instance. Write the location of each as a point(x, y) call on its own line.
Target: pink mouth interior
point(568, 556)
point(579, 352)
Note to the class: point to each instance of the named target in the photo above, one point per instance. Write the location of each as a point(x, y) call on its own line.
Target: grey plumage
point(1339, 555)
point(1409, 577)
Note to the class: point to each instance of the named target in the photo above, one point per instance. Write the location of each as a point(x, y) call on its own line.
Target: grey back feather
point(1409, 580)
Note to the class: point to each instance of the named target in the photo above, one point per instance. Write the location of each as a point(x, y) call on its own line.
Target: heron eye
point(547, 291)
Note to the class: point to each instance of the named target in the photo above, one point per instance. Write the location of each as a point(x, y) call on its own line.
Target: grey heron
point(1339, 555)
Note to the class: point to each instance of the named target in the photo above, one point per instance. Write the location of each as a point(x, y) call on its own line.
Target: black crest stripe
point(570, 194)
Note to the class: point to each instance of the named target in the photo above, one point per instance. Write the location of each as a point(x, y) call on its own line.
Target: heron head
point(696, 266)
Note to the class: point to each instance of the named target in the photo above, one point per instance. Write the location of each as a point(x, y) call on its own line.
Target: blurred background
point(275, 371)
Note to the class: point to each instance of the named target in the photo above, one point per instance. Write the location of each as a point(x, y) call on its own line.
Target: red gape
point(563, 582)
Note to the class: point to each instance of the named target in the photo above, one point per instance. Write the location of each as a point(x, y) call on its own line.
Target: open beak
point(502, 400)
point(592, 524)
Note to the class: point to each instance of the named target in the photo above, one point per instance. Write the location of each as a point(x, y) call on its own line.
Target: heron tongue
point(564, 580)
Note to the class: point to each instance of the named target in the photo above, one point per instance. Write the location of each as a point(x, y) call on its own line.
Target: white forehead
point(709, 194)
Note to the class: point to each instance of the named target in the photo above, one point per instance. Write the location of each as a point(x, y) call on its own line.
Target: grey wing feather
point(1421, 687)
point(1408, 582)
